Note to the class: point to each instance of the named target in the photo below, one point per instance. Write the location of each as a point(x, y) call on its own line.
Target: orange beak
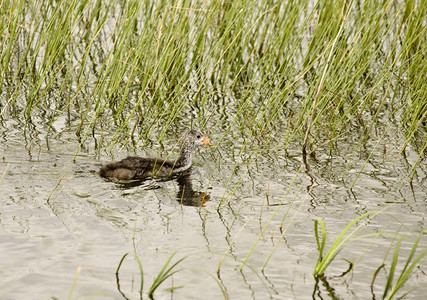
point(206, 141)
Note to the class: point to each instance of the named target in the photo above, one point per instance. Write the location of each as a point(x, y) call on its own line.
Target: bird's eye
point(199, 136)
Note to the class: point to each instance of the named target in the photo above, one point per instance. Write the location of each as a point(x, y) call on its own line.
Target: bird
point(137, 168)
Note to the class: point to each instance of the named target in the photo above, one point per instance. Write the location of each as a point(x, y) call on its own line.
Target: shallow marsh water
point(58, 215)
point(79, 80)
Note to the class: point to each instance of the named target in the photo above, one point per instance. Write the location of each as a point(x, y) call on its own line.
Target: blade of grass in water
point(141, 272)
point(164, 274)
point(412, 262)
point(345, 237)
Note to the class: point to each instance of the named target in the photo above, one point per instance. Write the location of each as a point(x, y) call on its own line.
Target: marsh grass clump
point(322, 67)
point(167, 271)
point(349, 234)
point(396, 279)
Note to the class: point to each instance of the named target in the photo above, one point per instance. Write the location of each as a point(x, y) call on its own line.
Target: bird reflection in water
point(185, 195)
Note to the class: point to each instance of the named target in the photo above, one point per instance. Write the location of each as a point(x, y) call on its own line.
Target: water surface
point(58, 215)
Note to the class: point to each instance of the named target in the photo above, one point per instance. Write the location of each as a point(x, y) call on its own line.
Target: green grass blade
point(391, 290)
point(164, 274)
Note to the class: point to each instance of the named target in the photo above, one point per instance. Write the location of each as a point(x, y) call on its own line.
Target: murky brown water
point(56, 215)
